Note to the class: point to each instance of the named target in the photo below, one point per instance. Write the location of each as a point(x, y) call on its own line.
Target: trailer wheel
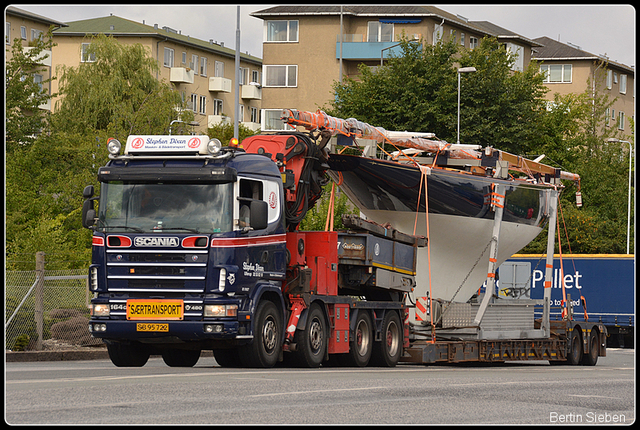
point(575, 352)
point(267, 338)
point(312, 341)
point(128, 354)
point(591, 358)
point(361, 343)
point(180, 357)
point(387, 352)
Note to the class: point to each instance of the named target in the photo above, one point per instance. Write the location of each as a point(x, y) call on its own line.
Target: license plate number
point(152, 327)
point(157, 309)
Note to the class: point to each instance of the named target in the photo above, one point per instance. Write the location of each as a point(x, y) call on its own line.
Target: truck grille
point(156, 271)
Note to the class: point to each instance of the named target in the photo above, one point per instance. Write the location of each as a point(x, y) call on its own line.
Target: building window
point(219, 69)
point(203, 66)
point(254, 115)
point(7, 33)
point(556, 73)
point(193, 65)
point(194, 102)
point(35, 34)
point(271, 120)
point(380, 32)
point(620, 120)
point(461, 39)
point(623, 84)
point(241, 114)
point(184, 59)
point(244, 76)
point(609, 79)
point(438, 31)
point(203, 105)
point(23, 33)
point(217, 107)
point(280, 76)
point(473, 42)
point(85, 55)
point(38, 80)
point(255, 76)
point(607, 116)
point(168, 57)
point(281, 31)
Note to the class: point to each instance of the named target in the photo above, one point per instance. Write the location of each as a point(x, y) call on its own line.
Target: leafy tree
point(224, 132)
point(316, 217)
point(115, 96)
point(417, 91)
point(118, 93)
point(23, 94)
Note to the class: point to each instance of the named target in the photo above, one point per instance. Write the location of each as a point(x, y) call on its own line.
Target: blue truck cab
point(188, 238)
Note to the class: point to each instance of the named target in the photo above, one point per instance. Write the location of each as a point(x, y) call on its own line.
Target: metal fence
point(47, 309)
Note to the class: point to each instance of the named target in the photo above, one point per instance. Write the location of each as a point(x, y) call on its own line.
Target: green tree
point(224, 132)
point(118, 93)
point(114, 96)
point(417, 91)
point(24, 120)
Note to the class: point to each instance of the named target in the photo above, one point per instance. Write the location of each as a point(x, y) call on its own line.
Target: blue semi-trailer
point(605, 281)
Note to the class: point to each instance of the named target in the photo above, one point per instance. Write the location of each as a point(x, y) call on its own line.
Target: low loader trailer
point(196, 247)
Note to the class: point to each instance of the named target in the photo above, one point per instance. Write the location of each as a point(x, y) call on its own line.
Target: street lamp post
point(460, 71)
point(613, 139)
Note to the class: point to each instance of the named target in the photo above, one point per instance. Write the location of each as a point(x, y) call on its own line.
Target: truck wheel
point(361, 343)
point(312, 341)
point(227, 357)
point(387, 352)
point(180, 357)
point(267, 338)
point(591, 358)
point(575, 350)
point(127, 355)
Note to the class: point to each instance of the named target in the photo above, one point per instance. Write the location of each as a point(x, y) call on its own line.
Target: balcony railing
point(181, 75)
point(219, 84)
point(356, 47)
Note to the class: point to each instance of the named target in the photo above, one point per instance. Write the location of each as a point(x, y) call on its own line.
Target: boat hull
point(460, 218)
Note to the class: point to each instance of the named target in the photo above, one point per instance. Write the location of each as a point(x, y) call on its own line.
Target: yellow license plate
point(152, 327)
point(155, 309)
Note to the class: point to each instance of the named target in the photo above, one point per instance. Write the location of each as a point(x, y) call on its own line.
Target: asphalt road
point(96, 392)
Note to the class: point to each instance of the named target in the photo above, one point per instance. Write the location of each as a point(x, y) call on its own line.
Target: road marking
point(290, 393)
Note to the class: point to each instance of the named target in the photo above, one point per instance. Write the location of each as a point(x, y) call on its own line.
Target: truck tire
point(361, 343)
point(227, 357)
point(312, 341)
point(267, 338)
point(180, 357)
point(591, 358)
point(128, 355)
point(386, 352)
point(575, 347)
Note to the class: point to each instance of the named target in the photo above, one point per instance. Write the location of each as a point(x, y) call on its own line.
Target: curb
point(69, 355)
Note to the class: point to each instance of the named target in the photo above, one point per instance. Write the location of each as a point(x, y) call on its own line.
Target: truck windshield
point(195, 208)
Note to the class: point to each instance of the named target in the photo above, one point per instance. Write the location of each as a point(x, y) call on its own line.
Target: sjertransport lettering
point(587, 418)
point(154, 309)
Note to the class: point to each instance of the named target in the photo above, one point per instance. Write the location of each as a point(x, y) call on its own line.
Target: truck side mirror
point(87, 193)
point(259, 215)
point(88, 213)
point(88, 210)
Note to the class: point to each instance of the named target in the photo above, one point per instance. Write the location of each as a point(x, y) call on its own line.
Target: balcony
point(181, 75)
point(254, 126)
point(40, 58)
point(218, 84)
point(252, 92)
point(217, 119)
point(355, 47)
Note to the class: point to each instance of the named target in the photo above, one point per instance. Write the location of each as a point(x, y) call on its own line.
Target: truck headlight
point(113, 146)
point(100, 310)
point(220, 310)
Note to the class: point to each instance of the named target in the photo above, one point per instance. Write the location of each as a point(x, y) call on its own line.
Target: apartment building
point(569, 69)
point(202, 71)
point(303, 53)
point(28, 27)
